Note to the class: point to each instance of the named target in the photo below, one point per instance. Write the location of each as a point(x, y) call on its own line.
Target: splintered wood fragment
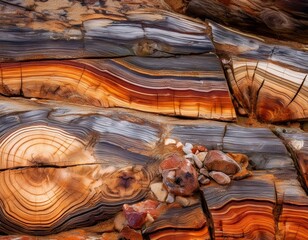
point(267, 78)
point(179, 223)
point(47, 33)
point(244, 209)
point(182, 86)
point(297, 141)
point(274, 93)
point(279, 19)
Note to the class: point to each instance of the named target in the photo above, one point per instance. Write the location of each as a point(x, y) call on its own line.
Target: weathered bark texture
point(134, 120)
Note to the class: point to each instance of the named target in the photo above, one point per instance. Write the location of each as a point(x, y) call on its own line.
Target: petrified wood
point(130, 120)
point(181, 86)
point(268, 80)
point(56, 175)
point(241, 210)
point(296, 141)
point(281, 19)
point(50, 33)
point(180, 223)
point(73, 167)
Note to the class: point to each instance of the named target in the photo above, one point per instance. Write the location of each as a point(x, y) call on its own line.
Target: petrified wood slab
point(56, 175)
point(70, 30)
point(280, 19)
point(72, 167)
point(191, 86)
point(272, 92)
point(277, 210)
point(70, 159)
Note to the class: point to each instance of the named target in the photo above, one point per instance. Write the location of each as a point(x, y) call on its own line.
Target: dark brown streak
point(277, 210)
point(42, 165)
point(229, 84)
point(299, 89)
point(257, 97)
point(208, 215)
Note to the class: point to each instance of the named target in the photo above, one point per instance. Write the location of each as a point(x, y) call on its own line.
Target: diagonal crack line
point(208, 215)
point(48, 166)
point(277, 210)
point(255, 105)
point(299, 89)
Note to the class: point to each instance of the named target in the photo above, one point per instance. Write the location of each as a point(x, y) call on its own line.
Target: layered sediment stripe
point(167, 86)
point(180, 223)
point(293, 217)
point(243, 210)
point(114, 32)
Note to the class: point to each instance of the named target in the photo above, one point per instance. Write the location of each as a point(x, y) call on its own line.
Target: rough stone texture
point(219, 161)
point(220, 177)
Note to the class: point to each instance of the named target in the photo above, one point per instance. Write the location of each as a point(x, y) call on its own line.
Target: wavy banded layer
point(162, 86)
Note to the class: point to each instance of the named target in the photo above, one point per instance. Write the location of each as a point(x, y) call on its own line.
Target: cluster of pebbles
point(182, 171)
point(193, 165)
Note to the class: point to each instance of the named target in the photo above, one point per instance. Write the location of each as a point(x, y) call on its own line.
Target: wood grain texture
point(241, 210)
point(157, 85)
point(92, 91)
point(261, 145)
point(180, 223)
point(293, 203)
point(95, 160)
point(297, 142)
point(64, 30)
point(267, 77)
point(56, 176)
point(272, 92)
point(232, 42)
point(257, 207)
point(279, 19)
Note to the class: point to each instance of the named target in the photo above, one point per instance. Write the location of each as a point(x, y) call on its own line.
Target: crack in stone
point(42, 165)
point(298, 90)
point(208, 215)
point(277, 210)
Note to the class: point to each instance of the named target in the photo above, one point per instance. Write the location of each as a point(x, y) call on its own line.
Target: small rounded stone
point(203, 180)
point(220, 177)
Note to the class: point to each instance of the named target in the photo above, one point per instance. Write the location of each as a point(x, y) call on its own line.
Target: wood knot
point(275, 20)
